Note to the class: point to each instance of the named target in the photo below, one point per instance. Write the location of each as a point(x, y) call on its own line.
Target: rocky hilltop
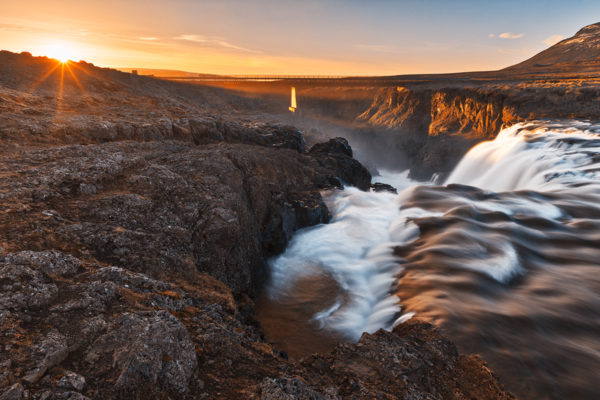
point(46, 102)
point(136, 216)
point(579, 53)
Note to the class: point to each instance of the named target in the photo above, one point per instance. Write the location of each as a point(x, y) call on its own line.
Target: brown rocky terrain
point(43, 101)
point(136, 216)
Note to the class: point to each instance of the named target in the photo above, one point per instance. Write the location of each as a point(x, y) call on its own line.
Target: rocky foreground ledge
point(127, 270)
point(76, 330)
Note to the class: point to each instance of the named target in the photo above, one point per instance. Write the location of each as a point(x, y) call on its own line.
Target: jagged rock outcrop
point(169, 208)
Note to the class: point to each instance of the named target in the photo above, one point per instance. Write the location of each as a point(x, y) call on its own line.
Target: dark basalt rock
point(333, 146)
point(148, 349)
point(15, 392)
point(336, 155)
point(383, 187)
point(170, 208)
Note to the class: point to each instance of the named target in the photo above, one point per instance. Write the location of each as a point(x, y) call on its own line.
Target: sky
point(335, 37)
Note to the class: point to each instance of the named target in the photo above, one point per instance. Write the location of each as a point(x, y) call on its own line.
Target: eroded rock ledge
point(127, 271)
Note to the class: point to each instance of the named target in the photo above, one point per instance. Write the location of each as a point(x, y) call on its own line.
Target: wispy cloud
point(212, 41)
point(552, 40)
point(148, 38)
point(491, 35)
point(14, 27)
point(510, 35)
point(192, 38)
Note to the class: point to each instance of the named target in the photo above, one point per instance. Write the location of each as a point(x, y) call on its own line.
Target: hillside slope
point(579, 53)
point(45, 101)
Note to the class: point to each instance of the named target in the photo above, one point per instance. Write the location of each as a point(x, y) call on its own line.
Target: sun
point(63, 52)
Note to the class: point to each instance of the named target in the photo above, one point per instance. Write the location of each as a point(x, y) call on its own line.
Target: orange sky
point(284, 37)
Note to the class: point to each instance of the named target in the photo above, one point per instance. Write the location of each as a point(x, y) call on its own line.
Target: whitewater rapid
point(505, 255)
point(355, 249)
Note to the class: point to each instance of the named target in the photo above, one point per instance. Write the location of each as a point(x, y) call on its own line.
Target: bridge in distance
point(325, 80)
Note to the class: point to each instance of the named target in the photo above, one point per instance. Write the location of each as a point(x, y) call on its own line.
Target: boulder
point(148, 349)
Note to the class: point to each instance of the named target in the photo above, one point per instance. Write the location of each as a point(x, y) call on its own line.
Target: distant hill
point(159, 73)
point(580, 53)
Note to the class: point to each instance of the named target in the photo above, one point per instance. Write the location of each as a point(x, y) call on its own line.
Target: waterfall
point(505, 256)
point(293, 105)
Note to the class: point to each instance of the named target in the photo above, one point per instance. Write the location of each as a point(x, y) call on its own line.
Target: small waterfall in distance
point(293, 105)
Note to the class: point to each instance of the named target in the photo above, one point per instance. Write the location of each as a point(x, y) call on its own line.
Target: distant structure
point(134, 71)
point(294, 105)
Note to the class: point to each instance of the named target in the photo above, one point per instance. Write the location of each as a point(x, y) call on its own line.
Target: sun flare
point(63, 52)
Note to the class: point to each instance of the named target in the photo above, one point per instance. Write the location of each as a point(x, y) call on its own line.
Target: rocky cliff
point(437, 125)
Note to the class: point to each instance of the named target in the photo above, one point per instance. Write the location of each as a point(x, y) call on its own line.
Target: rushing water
point(505, 257)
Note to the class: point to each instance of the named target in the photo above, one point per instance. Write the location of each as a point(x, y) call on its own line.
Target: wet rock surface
point(383, 187)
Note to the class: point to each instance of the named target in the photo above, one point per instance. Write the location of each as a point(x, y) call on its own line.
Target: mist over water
point(505, 257)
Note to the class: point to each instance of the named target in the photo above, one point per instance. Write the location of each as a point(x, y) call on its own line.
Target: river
point(504, 256)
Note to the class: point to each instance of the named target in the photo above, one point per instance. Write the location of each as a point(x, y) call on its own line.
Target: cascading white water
point(355, 248)
point(496, 236)
point(535, 156)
